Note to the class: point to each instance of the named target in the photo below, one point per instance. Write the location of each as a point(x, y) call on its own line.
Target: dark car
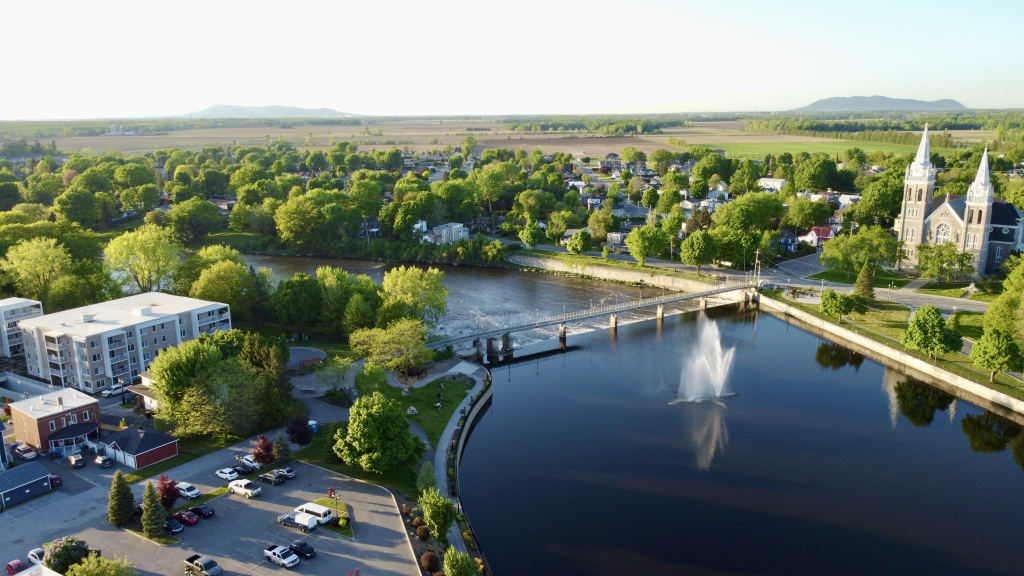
point(55, 480)
point(173, 526)
point(203, 510)
point(287, 472)
point(272, 478)
point(243, 469)
point(302, 550)
point(103, 461)
point(77, 461)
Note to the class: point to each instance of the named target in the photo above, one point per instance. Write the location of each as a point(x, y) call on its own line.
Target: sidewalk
point(914, 285)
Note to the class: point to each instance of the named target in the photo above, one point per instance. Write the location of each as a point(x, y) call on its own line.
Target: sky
point(103, 59)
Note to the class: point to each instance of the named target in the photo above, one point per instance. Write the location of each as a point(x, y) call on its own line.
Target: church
point(978, 224)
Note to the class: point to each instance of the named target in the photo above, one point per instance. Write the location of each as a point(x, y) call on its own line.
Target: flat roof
point(116, 314)
point(46, 404)
point(17, 302)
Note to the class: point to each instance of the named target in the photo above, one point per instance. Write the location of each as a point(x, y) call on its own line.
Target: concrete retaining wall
point(897, 359)
point(21, 387)
point(612, 273)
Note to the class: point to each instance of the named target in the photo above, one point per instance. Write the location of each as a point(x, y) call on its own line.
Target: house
point(818, 236)
point(611, 156)
point(772, 184)
point(720, 193)
point(143, 394)
point(616, 241)
point(447, 233)
point(593, 201)
point(420, 226)
point(92, 347)
point(847, 200)
point(138, 448)
point(65, 421)
point(25, 481)
point(568, 234)
point(609, 165)
point(789, 241)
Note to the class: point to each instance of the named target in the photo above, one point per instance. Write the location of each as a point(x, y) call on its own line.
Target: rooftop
point(135, 441)
point(46, 404)
point(17, 303)
point(22, 474)
point(116, 314)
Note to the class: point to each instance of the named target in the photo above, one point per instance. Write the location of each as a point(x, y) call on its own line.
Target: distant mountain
point(230, 111)
point(881, 103)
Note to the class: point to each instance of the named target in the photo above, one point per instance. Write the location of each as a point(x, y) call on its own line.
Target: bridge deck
point(594, 311)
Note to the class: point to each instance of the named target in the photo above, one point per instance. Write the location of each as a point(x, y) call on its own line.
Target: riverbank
point(1003, 399)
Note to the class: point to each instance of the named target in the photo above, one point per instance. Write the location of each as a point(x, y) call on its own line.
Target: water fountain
point(706, 369)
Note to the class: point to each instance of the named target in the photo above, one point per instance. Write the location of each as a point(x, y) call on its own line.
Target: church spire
point(924, 150)
point(982, 177)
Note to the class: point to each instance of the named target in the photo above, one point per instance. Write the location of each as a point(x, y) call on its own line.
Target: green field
point(948, 289)
point(832, 147)
point(882, 278)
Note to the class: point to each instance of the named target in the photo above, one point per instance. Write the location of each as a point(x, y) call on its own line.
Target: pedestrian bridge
point(720, 287)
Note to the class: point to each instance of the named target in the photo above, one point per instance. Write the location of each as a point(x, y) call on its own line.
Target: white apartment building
point(93, 347)
point(447, 233)
point(12, 310)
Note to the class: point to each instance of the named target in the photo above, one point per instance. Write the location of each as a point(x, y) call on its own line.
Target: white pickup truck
point(281, 556)
point(245, 488)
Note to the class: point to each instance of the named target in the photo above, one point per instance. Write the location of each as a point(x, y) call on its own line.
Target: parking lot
point(237, 535)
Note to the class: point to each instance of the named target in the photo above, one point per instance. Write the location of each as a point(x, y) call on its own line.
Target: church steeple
point(924, 149)
point(982, 177)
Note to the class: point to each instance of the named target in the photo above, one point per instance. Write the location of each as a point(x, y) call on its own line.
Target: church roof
point(923, 150)
point(1004, 214)
point(958, 204)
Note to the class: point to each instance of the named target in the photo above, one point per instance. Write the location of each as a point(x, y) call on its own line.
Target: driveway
point(236, 536)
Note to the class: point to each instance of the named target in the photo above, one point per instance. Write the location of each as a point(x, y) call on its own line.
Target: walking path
point(914, 285)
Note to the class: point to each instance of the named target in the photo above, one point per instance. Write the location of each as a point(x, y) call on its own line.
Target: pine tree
point(282, 451)
point(426, 478)
point(153, 512)
point(121, 509)
point(864, 286)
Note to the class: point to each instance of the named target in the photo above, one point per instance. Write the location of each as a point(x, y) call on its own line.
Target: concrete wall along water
point(612, 273)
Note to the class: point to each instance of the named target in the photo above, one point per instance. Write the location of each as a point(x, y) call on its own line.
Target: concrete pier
point(661, 312)
point(613, 322)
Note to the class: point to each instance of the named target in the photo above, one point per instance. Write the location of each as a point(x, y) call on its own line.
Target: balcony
point(119, 371)
point(11, 315)
point(212, 319)
point(58, 359)
point(61, 371)
point(116, 344)
point(14, 340)
point(56, 345)
point(119, 358)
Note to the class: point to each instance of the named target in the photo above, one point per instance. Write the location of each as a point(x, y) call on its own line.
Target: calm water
point(489, 297)
point(825, 463)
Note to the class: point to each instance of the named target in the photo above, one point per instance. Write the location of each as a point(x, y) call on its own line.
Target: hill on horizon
point(880, 103)
point(232, 111)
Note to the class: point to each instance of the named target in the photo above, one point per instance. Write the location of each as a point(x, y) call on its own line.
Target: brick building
point(65, 421)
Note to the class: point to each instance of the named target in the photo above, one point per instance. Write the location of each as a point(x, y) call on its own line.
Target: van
point(322, 514)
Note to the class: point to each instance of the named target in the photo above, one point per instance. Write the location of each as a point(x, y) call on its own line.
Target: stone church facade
point(978, 224)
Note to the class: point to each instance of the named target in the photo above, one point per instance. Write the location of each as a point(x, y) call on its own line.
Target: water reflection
point(835, 356)
point(919, 401)
point(707, 432)
point(989, 432)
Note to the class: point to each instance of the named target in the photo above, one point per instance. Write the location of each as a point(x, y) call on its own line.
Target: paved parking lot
point(241, 529)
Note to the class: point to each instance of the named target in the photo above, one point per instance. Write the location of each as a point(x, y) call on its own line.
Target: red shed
point(139, 448)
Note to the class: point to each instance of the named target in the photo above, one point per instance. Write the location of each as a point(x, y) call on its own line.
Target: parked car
point(15, 566)
point(55, 480)
point(281, 556)
point(243, 469)
point(103, 461)
point(26, 452)
point(197, 565)
point(250, 462)
point(113, 390)
point(271, 478)
point(302, 549)
point(304, 522)
point(188, 491)
point(172, 525)
point(321, 513)
point(203, 510)
point(226, 474)
point(76, 461)
point(187, 517)
point(287, 472)
point(245, 488)
point(35, 555)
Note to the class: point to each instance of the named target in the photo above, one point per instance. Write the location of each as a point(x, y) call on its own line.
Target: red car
point(55, 480)
point(15, 566)
point(186, 517)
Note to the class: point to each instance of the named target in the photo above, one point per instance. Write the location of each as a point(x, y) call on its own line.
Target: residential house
point(65, 421)
point(138, 448)
point(593, 201)
point(788, 241)
point(847, 200)
point(447, 233)
point(611, 156)
point(610, 165)
point(92, 347)
point(774, 185)
point(420, 226)
point(23, 482)
point(616, 241)
point(567, 234)
point(818, 236)
point(142, 393)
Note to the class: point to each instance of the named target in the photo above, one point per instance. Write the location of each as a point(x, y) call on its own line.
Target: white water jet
point(706, 370)
point(708, 434)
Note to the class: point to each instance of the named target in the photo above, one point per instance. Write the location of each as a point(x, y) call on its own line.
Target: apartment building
point(94, 347)
point(12, 348)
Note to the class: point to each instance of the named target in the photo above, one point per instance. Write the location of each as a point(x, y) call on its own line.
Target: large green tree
point(438, 511)
point(645, 241)
point(579, 242)
point(193, 219)
point(378, 438)
point(230, 283)
point(698, 249)
point(401, 346)
point(996, 351)
point(133, 175)
point(153, 512)
point(121, 508)
point(146, 255)
point(297, 301)
point(421, 292)
point(750, 212)
point(141, 199)
point(928, 332)
point(97, 566)
point(76, 205)
point(177, 369)
point(35, 264)
point(944, 262)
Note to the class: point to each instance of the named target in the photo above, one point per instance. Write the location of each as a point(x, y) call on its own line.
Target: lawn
point(236, 240)
point(969, 324)
point(342, 510)
point(885, 317)
point(332, 347)
point(949, 289)
point(161, 467)
point(432, 420)
point(882, 278)
point(320, 453)
point(212, 494)
point(983, 295)
point(118, 229)
point(591, 261)
point(162, 539)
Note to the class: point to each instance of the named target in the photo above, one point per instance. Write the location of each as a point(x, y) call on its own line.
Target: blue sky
point(123, 59)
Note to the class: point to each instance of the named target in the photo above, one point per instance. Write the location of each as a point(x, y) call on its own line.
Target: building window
point(942, 233)
point(919, 194)
point(142, 331)
point(99, 370)
point(980, 218)
point(182, 333)
point(94, 343)
point(131, 335)
point(164, 339)
point(154, 341)
point(85, 415)
point(999, 254)
point(161, 326)
point(134, 360)
point(956, 236)
point(131, 347)
point(95, 357)
point(145, 343)
point(145, 356)
point(74, 418)
point(181, 321)
point(53, 425)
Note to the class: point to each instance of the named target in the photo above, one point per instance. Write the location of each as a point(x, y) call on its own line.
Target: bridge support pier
point(661, 312)
point(479, 346)
point(492, 350)
point(704, 303)
point(561, 336)
point(613, 322)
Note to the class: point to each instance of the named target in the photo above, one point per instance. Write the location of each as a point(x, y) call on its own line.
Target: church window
point(910, 235)
point(942, 233)
point(919, 195)
point(956, 236)
point(999, 254)
point(970, 216)
point(980, 219)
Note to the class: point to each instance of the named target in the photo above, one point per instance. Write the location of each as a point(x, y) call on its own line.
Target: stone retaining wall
point(612, 273)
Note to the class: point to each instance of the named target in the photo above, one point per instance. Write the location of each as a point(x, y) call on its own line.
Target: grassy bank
point(882, 278)
point(886, 330)
point(581, 261)
point(320, 452)
point(947, 289)
point(342, 510)
point(432, 420)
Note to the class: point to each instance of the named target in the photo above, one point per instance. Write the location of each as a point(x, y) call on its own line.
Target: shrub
point(406, 509)
point(418, 522)
point(416, 513)
point(66, 552)
point(430, 562)
point(423, 532)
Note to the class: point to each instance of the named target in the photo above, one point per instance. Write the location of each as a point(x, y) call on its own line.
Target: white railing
point(211, 319)
point(119, 358)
